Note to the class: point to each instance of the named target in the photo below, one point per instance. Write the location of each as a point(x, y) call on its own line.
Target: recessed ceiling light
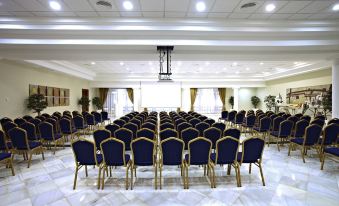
point(127, 69)
point(128, 5)
point(200, 6)
point(237, 72)
point(150, 63)
point(122, 63)
point(247, 69)
point(207, 63)
point(55, 5)
point(335, 7)
point(270, 7)
point(261, 63)
point(225, 68)
point(296, 62)
point(179, 63)
point(234, 64)
point(92, 63)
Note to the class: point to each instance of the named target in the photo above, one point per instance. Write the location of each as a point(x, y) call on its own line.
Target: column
point(335, 89)
point(136, 99)
point(236, 98)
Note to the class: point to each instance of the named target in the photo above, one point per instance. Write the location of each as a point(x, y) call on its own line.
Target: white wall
point(245, 95)
point(15, 78)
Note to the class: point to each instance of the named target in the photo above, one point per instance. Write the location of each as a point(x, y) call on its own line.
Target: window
point(208, 101)
point(118, 103)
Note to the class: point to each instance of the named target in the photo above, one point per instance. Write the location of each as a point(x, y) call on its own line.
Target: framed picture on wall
point(50, 91)
point(56, 92)
point(62, 101)
point(50, 101)
point(56, 101)
point(67, 93)
point(66, 101)
point(33, 89)
point(43, 90)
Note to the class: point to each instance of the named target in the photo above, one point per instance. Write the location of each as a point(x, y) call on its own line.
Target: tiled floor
point(288, 182)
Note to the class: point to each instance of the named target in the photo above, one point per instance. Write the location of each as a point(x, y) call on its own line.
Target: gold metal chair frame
point(59, 142)
point(323, 156)
point(177, 136)
point(9, 163)
point(154, 136)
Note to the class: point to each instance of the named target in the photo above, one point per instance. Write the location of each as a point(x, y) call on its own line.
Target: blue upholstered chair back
point(53, 122)
point(36, 123)
point(136, 122)
point(331, 133)
point(113, 151)
point(188, 135)
point(285, 128)
point(167, 133)
point(179, 121)
point(233, 132)
point(306, 117)
point(319, 122)
point(300, 128)
point(334, 120)
point(133, 127)
point(8, 126)
point(172, 151)
point(265, 123)
point(143, 152)
point(294, 119)
point(202, 118)
point(119, 122)
point(3, 144)
point(65, 125)
point(312, 134)
point(199, 151)
point(99, 136)
point(299, 115)
point(252, 149)
point(46, 131)
point(104, 115)
point(166, 125)
point(125, 118)
point(30, 130)
point(163, 121)
point(145, 132)
point(322, 117)
point(18, 138)
point(79, 122)
point(209, 121)
point(202, 126)
point(152, 121)
point(250, 120)
point(224, 114)
point(213, 134)
point(194, 121)
point(112, 128)
point(19, 121)
point(124, 135)
point(90, 119)
point(149, 125)
point(97, 117)
point(84, 152)
point(231, 115)
point(183, 126)
point(239, 118)
point(41, 118)
point(226, 150)
point(4, 120)
point(276, 123)
point(220, 126)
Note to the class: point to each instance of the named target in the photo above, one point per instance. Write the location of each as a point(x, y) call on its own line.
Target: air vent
point(104, 4)
point(248, 5)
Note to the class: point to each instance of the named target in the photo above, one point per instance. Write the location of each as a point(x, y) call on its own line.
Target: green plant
point(231, 101)
point(96, 101)
point(327, 101)
point(255, 101)
point(84, 101)
point(36, 102)
point(270, 102)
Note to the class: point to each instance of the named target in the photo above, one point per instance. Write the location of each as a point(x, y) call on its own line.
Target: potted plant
point(327, 102)
point(36, 102)
point(97, 103)
point(84, 102)
point(231, 101)
point(270, 102)
point(255, 101)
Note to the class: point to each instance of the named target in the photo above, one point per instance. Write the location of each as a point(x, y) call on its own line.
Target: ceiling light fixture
point(128, 5)
point(150, 63)
point(247, 69)
point(270, 7)
point(200, 6)
point(55, 5)
point(335, 7)
point(122, 63)
point(207, 63)
point(234, 64)
point(261, 63)
point(92, 63)
point(179, 63)
point(237, 72)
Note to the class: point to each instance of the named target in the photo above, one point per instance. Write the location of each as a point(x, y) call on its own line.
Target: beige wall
point(275, 87)
point(15, 78)
point(245, 95)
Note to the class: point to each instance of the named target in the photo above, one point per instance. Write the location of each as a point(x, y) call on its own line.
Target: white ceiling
point(231, 9)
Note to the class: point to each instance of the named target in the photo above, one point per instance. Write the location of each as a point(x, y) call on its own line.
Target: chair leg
point(160, 171)
point(289, 149)
point(239, 175)
point(86, 171)
point(75, 177)
point(10, 162)
point(126, 179)
point(322, 162)
point(303, 153)
point(99, 177)
point(250, 168)
point(132, 176)
point(278, 144)
point(228, 169)
point(262, 175)
point(30, 159)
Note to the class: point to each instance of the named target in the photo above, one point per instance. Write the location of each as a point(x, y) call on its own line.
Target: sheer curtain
point(118, 103)
point(208, 101)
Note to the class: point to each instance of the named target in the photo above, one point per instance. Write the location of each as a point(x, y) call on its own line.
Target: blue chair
point(67, 129)
point(55, 125)
point(171, 153)
point(183, 126)
point(209, 121)
point(306, 117)
point(124, 135)
point(319, 122)
point(310, 140)
point(201, 127)
point(330, 136)
point(152, 121)
point(85, 155)
point(126, 118)
point(300, 128)
point(136, 122)
point(113, 153)
point(119, 122)
point(104, 116)
point(4, 120)
point(233, 132)
point(188, 135)
point(99, 136)
point(163, 121)
point(248, 124)
point(322, 117)
point(334, 120)
point(147, 133)
point(194, 121)
point(8, 126)
point(179, 121)
point(284, 132)
point(202, 118)
point(6, 158)
point(264, 127)
point(133, 127)
point(239, 119)
point(224, 115)
point(21, 145)
point(79, 124)
point(231, 116)
point(149, 126)
point(275, 125)
point(143, 154)
point(98, 118)
point(252, 150)
point(90, 121)
point(220, 126)
point(48, 136)
point(213, 134)
point(19, 121)
point(199, 152)
point(4, 145)
point(112, 128)
point(226, 153)
point(36, 123)
point(294, 119)
point(329, 151)
point(167, 133)
point(30, 130)
point(166, 125)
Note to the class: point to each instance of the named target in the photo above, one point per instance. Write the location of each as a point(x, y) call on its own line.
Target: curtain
point(193, 97)
point(222, 95)
point(130, 94)
point(103, 94)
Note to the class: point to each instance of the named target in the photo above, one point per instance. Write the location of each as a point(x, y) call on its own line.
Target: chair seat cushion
point(258, 129)
point(332, 150)
point(299, 141)
point(214, 156)
point(5, 155)
point(32, 145)
point(9, 146)
point(74, 130)
point(274, 133)
point(187, 157)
